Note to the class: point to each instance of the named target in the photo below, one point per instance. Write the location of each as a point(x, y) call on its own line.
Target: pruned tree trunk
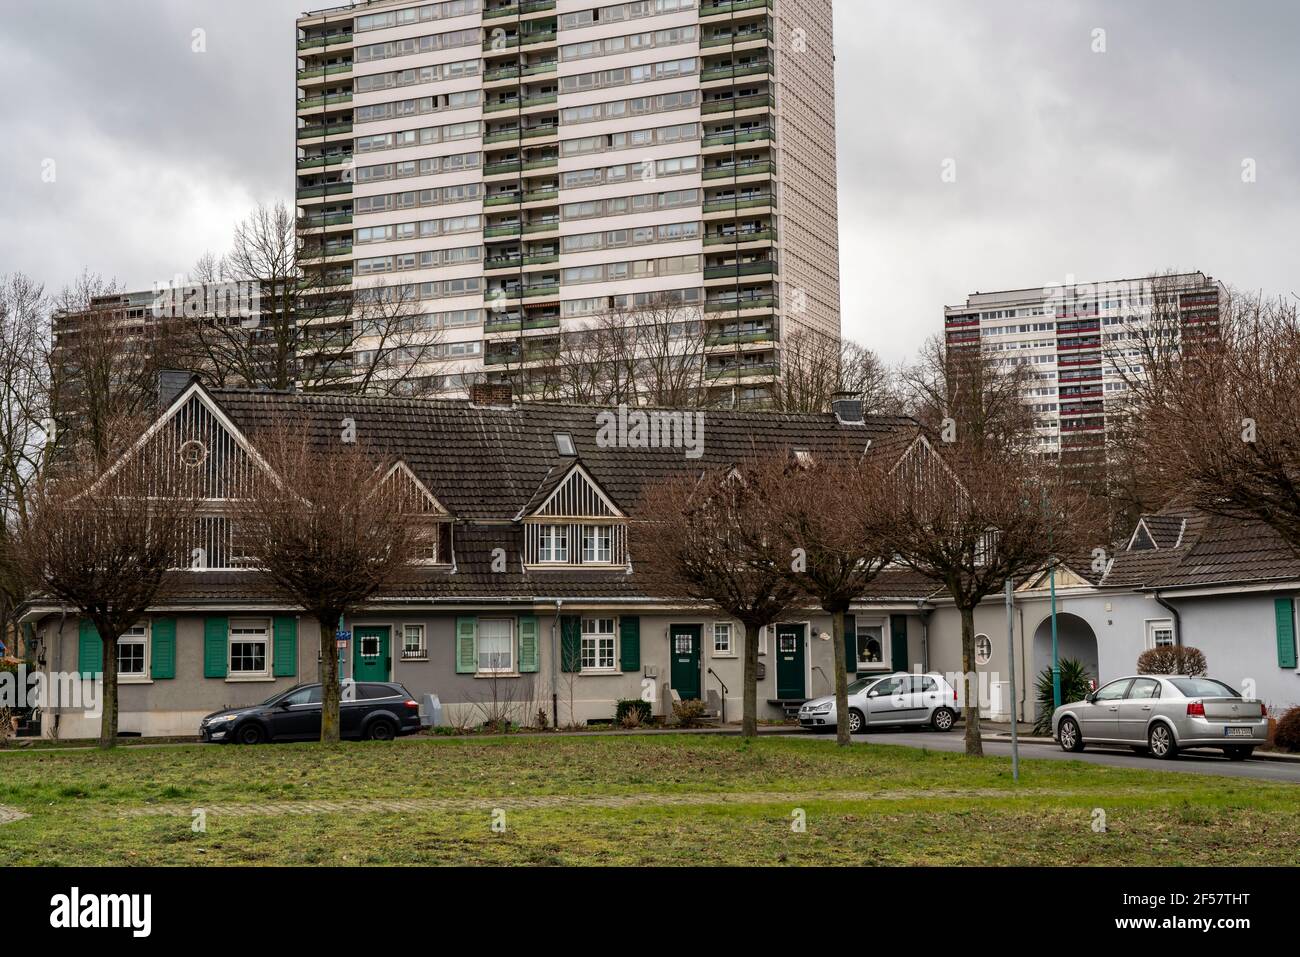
point(329, 662)
point(749, 719)
point(971, 683)
point(108, 717)
point(841, 678)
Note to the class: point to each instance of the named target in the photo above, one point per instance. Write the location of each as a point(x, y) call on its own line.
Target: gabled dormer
point(571, 522)
point(432, 519)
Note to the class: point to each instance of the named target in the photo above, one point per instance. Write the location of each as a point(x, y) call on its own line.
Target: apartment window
point(132, 653)
point(553, 543)
point(249, 648)
point(722, 639)
point(598, 644)
point(597, 544)
point(495, 646)
point(413, 642)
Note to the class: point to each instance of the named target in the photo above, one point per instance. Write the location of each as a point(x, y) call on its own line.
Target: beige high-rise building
point(518, 169)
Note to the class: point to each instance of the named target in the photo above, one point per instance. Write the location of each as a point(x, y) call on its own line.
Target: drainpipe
point(925, 634)
point(555, 666)
point(1178, 621)
point(58, 668)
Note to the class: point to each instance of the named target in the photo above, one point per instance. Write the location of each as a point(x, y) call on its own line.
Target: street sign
point(342, 636)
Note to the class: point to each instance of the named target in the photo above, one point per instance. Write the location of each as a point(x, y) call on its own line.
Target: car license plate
point(1238, 732)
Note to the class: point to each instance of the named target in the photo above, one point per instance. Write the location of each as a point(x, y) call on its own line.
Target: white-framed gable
point(416, 493)
point(577, 496)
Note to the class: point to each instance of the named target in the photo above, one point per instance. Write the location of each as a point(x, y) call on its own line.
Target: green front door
point(372, 655)
point(790, 662)
point(686, 661)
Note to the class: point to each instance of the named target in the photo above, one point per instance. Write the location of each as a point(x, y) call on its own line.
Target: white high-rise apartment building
point(1079, 339)
point(525, 166)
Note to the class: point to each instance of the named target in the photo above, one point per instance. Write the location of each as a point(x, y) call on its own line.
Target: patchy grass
point(625, 800)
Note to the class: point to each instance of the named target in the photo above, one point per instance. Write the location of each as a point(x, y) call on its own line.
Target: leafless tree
point(825, 511)
point(710, 538)
point(815, 366)
point(1218, 427)
point(108, 544)
point(330, 528)
point(308, 327)
point(972, 504)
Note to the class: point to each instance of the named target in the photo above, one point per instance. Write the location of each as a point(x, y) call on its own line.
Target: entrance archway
point(1074, 639)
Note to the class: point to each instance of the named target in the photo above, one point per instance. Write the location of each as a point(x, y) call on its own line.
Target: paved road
point(1187, 762)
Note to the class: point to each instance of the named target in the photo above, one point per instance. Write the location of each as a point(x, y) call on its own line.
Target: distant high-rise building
point(522, 168)
point(1082, 341)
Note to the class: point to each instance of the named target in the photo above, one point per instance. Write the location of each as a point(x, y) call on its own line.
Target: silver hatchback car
point(878, 701)
point(1161, 714)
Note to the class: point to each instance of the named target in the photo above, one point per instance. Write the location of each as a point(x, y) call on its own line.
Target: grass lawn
point(684, 799)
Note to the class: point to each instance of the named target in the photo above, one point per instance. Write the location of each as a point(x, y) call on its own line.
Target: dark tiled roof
point(486, 463)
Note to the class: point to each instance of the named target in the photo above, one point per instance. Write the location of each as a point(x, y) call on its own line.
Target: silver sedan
point(1161, 714)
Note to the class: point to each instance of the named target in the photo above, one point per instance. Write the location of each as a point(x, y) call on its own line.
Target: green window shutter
point(851, 643)
point(629, 643)
point(466, 654)
point(285, 631)
point(527, 643)
point(570, 643)
point(90, 650)
point(216, 635)
point(162, 654)
point(898, 642)
point(1284, 608)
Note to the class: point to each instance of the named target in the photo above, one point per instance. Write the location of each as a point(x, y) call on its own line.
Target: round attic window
point(193, 453)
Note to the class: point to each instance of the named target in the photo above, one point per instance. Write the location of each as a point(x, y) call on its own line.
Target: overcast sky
point(1067, 162)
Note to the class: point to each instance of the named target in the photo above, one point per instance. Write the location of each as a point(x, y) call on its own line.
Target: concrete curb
point(1005, 738)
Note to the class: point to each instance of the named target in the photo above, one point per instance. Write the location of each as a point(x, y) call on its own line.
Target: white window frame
point(730, 650)
point(510, 645)
point(250, 625)
point(885, 650)
point(1154, 625)
point(588, 531)
point(593, 632)
point(548, 536)
point(422, 652)
point(144, 639)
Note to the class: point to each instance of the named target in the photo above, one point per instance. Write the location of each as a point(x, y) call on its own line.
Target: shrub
point(626, 706)
point(1074, 686)
point(689, 713)
point(1287, 735)
point(1172, 660)
point(631, 719)
point(541, 719)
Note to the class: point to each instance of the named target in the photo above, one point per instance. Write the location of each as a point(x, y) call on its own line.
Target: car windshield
point(1203, 688)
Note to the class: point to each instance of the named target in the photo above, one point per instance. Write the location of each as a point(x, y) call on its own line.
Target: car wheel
point(1161, 742)
point(857, 722)
point(250, 733)
point(1239, 752)
point(381, 729)
point(1069, 736)
point(943, 719)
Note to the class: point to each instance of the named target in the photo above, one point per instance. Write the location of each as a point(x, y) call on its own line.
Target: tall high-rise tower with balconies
point(519, 169)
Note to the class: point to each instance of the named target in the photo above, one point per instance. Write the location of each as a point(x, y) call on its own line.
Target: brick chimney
point(491, 395)
point(847, 407)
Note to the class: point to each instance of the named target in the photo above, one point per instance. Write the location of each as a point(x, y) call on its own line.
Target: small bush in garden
point(626, 705)
point(1287, 735)
point(1172, 660)
point(631, 719)
point(1074, 686)
point(689, 713)
point(541, 719)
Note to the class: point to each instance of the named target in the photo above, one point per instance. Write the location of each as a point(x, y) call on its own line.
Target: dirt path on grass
point(8, 814)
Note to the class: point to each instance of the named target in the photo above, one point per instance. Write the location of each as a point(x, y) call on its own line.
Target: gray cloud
point(1068, 162)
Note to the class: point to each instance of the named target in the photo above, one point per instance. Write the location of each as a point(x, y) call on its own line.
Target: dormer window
point(553, 543)
point(576, 524)
point(597, 544)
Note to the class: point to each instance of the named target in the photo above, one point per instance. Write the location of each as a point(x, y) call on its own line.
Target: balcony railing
point(733, 170)
point(541, 195)
point(334, 219)
point(509, 166)
point(736, 70)
point(542, 225)
point(307, 74)
point(323, 41)
point(331, 100)
point(329, 189)
point(506, 229)
point(739, 269)
point(739, 36)
point(739, 202)
point(311, 132)
point(732, 136)
point(504, 199)
point(311, 162)
point(741, 372)
point(740, 302)
point(742, 236)
point(734, 104)
point(712, 8)
point(738, 338)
